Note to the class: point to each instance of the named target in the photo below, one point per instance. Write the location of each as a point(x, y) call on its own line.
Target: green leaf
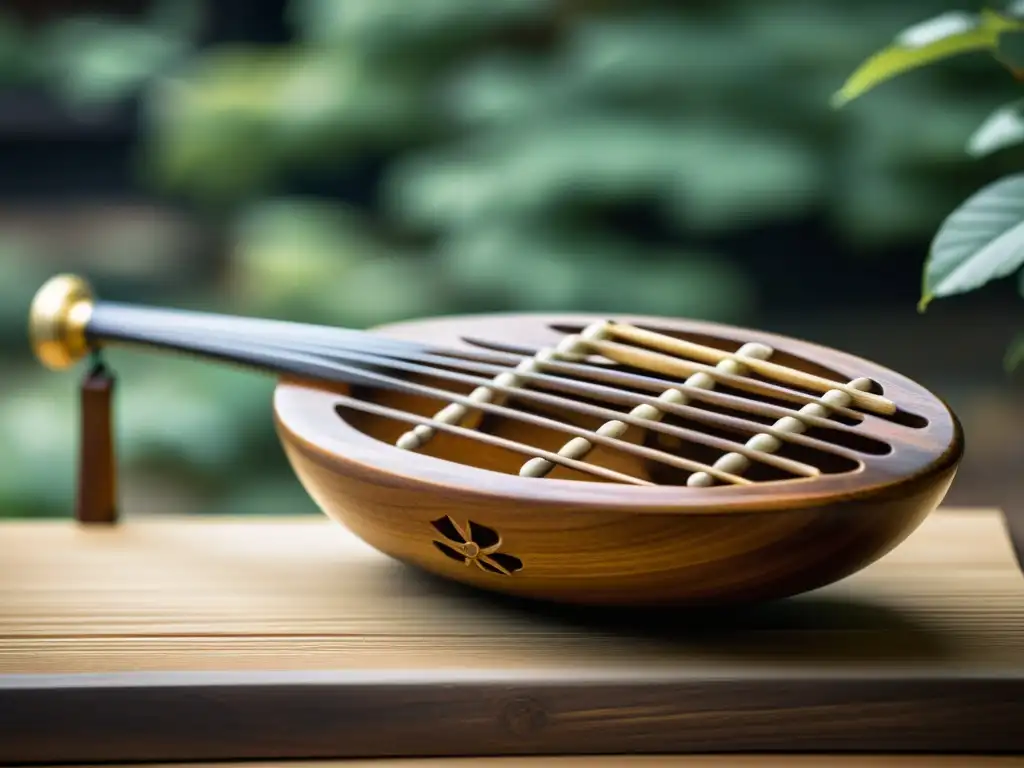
point(950, 34)
point(1001, 129)
point(981, 241)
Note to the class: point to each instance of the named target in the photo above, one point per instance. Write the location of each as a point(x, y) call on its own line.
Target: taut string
point(325, 354)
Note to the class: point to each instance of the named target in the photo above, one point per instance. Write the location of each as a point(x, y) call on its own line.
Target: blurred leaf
point(901, 173)
point(818, 35)
point(894, 125)
point(672, 284)
point(14, 50)
point(527, 171)
point(502, 90)
point(37, 472)
point(877, 204)
point(328, 106)
point(387, 289)
point(708, 173)
point(649, 52)
point(183, 19)
point(199, 421)
point(1014, 354)
point(210, 128)
point(398, 24)
point(94, 61)
point(506, 266)
point(981, 241)
point(1010, 51)
point(951, 34)
point(518, 134)
point(317, 262)
point(664, 63)
point(24, 268)
point(443, 189)
point(284, 249)
point(536, 269)
point(1001, 129)
point(242, 118)
point(724, 177)
point(178, 424)
point(200, 417)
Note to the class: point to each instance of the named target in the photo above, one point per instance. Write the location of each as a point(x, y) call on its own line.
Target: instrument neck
point(270, 346)
point(66, 323)
point(111, 322)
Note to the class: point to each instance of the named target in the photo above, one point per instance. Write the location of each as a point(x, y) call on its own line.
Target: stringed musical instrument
point(575, 458)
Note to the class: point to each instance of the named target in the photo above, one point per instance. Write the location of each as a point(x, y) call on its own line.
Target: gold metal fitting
point(57, 320)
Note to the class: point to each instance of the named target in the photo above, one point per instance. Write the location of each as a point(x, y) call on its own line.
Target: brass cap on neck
point(57, 320)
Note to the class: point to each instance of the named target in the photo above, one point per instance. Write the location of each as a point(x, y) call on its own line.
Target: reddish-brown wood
point(96, 499)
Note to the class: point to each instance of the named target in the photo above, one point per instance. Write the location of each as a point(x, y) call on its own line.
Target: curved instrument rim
point(308, 418)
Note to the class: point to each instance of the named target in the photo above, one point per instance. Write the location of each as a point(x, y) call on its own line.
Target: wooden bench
point(199, 639)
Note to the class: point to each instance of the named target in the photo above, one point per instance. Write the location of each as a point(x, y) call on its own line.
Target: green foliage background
point(513, 137)
point(983, 239)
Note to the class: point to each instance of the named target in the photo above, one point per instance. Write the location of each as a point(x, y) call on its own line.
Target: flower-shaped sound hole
point(474, 544)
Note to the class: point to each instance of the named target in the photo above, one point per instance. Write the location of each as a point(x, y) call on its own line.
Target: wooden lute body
point(640, 461)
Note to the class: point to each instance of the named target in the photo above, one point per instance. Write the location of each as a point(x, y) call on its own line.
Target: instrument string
point(286, 361)
point(608, 394)
point(110, 320)
point(404, 416)
point(440, 366)
point(358, 357)
point(139, 325)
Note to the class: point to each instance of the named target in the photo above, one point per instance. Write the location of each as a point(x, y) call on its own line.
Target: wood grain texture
point(644, 761)
point(602, 543)
point(608, 543)
point(460, 508)
point(229, 639)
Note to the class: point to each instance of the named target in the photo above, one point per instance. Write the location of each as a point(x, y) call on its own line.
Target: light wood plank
point(642, 761)
point(192, 594)
point(231, 639)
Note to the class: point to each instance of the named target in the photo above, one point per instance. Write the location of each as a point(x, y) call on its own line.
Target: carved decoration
point(474, 544)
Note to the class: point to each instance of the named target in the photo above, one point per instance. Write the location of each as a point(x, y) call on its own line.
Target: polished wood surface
point(249, 639)
point(771, 507)
point(641, 761)
point(96, 497)
point(922, 436)
point(607, 543)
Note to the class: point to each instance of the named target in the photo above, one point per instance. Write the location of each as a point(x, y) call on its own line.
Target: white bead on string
point(736, 463)
point(579, 447)
point(570, 348)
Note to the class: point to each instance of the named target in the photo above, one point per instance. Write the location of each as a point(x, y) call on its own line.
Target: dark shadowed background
point(356, 162)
